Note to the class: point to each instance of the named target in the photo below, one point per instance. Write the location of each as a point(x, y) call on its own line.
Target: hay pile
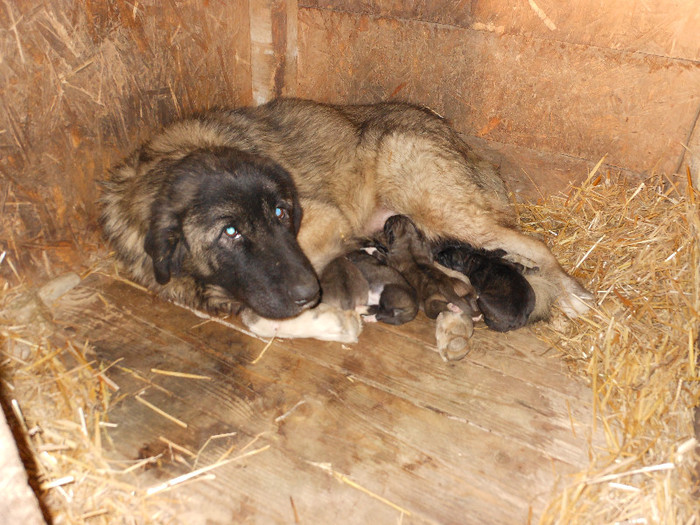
point(638, 247)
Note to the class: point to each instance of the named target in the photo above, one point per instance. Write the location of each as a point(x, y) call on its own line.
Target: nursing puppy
point(505, 298)
point(361, 280)
point(449, 300)
point(209, 212)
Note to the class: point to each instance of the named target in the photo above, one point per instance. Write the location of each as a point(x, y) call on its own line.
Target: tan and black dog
point(246, 206)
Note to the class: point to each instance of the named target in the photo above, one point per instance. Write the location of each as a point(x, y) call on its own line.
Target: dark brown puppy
point(451, 301)
point(506, 299)
point(361, 280)
point(343, 286)
point(411, 255)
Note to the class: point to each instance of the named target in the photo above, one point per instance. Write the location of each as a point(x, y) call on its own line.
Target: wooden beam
point(273, 32)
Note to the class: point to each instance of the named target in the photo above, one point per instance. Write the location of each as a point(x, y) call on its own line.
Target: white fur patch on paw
point(324, 322)
point(452, 333)
point(374, 295)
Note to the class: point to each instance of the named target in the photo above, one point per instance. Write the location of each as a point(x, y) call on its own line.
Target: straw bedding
point(636, 244)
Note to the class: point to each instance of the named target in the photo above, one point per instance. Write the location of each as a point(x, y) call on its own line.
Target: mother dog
point(244, 207)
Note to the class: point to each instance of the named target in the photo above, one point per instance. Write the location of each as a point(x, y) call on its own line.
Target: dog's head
point(229, 220)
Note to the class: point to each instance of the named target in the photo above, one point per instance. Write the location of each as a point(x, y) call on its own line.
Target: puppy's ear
point(164, 243)
point(389, 233)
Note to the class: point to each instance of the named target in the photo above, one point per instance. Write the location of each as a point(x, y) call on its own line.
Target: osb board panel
point(484, 440)
point(667, 27)
point(82, 82)
point(551, 97)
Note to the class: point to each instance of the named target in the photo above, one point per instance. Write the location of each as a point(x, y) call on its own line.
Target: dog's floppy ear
point(164, 242)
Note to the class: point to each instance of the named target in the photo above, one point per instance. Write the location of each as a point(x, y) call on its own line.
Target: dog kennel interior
point(127, 409)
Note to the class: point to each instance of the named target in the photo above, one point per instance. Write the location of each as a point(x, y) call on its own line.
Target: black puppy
point(361, 280)
point(506, 299)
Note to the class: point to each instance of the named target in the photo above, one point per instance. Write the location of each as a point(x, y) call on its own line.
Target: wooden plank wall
point(543, 86)
point(544, 89)
point(80, 84)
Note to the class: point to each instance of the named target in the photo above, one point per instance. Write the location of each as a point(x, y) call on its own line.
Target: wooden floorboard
point(378, 432)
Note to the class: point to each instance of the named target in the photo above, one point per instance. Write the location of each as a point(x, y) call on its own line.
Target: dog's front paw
point(452, 333)
point(324, 322)
point(332, 324)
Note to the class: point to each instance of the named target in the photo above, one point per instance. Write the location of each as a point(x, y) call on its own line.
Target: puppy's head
point(399, 228)
point(229, 220)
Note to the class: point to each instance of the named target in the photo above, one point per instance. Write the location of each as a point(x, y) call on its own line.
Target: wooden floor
point(378, 432)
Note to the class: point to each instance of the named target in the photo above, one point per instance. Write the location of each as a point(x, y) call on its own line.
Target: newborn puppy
point(505, 297)
point(411, 255)
point(344, 286)
point(362, 281)
point(391, 299)
point(451, 301)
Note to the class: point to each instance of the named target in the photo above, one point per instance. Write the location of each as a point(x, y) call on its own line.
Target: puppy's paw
point(324, 322)
point(452, 333)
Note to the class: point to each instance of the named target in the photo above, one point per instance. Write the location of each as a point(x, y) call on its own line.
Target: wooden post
point(273, 50)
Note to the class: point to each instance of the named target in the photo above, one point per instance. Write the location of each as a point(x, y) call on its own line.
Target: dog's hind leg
point(453, 331)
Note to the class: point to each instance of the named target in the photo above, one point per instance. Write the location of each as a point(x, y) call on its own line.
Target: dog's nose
point(306, 294)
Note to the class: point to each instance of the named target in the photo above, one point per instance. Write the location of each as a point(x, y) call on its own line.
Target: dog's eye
point(280, 213)
point(231, 232)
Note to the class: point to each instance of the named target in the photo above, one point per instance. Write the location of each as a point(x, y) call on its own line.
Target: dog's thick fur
point(168, 207)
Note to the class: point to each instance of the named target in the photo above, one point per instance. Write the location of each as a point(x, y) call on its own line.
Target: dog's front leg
point(323, 322)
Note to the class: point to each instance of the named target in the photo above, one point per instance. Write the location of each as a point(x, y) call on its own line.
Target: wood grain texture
point(666, 28)
point(484, 440)
point(547, 96)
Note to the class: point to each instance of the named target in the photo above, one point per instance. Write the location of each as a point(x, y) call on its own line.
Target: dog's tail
point(546, 294)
